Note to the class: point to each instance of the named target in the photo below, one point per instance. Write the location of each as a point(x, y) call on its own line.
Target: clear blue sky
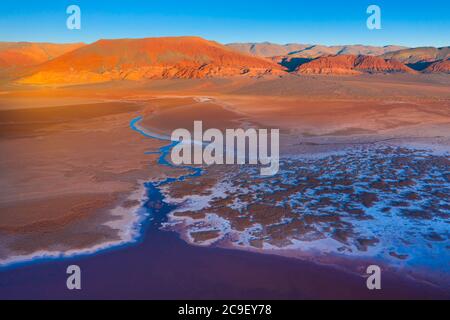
point(410, 23)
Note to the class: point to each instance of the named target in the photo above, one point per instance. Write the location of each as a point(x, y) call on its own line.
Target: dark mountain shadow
point(304, 49)
point(291, 64)
point(420, 66)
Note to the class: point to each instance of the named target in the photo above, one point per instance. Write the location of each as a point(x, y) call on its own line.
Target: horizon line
point(226, 43)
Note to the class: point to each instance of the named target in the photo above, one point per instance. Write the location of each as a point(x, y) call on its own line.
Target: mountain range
point(195, 57)
point(268, 50)
point(292, 56)
point(351, 64)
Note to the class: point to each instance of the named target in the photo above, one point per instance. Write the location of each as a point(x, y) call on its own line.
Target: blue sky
point(410, 23)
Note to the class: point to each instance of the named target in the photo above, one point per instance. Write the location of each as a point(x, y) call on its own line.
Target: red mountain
point(150, 58)
point(351, 64)
point(439, 67)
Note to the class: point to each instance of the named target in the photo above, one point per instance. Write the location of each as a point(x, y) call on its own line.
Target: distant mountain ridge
point(422, 58)
point(414, 55)
point(24, 54)
point(268, 50)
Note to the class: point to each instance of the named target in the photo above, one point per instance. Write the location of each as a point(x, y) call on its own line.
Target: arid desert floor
point(364, 172)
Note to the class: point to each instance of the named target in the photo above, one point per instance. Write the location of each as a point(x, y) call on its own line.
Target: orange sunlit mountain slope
point(149, 58)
